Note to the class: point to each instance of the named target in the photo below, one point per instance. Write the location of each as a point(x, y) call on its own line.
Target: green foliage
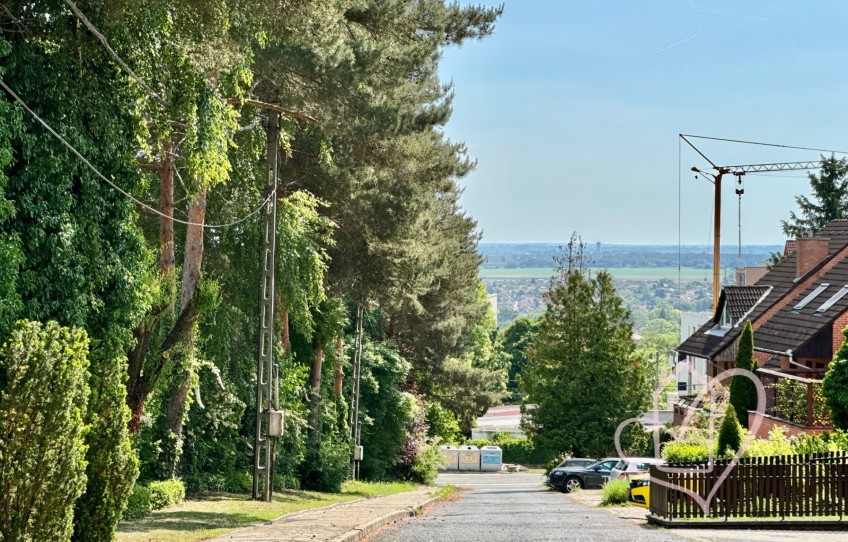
point(166, 493)
point(835, 386)
point(743, 391)
point(153, 496)
point(112, 465)
point(730, 433)
point(139, 504)
point(581, 369)
point(615, 492)
point(791, 401)
point(442, 424)
point(685, 452)
point(43, 393)
point(830, 192)
point(514, 340)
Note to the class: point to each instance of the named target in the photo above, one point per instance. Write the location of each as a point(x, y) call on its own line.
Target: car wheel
point(572, 484)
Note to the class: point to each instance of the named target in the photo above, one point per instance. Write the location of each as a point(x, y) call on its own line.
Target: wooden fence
point(812, 485)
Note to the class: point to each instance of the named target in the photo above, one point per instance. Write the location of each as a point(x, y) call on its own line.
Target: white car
point(633, 465)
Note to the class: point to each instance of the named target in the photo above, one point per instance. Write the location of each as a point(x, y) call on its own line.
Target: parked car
point(639, 492)
point(633, 465)
point(593, 476)
point(576, 462)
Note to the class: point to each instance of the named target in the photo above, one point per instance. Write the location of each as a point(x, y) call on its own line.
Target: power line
point(760, 143)
point(118, 188)
point(112, 52)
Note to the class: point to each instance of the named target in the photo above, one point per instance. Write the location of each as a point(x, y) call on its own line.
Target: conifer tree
point(830, 200)
point(729, 434)
point(743, 391)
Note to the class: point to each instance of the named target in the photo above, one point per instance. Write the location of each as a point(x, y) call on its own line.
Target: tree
point(743, 391)
point(730, 433)
point(514, 340)
point(835, 385)
point(43, 392)
point(830, 193)
point(581, 369)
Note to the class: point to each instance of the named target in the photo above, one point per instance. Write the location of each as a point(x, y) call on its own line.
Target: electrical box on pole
point(269, 417)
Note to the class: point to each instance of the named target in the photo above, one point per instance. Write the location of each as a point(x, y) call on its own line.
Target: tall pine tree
point(830, 194)
point(743, 392)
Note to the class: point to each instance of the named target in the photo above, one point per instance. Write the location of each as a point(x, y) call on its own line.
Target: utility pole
point(269, 417)
point(355, 424)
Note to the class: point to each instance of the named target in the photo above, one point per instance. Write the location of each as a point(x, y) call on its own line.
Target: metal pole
point(717, 236)
point(354, 399)
point(266, 380)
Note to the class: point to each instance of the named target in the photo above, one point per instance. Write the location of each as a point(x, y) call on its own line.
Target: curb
point(357, 533)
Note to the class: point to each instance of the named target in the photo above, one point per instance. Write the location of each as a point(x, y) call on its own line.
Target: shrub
point(615, 492)
point(43, 393)
point(685, 452)
point(139, 503)
point(166, 493)
point(835, 390)
point(730, 433)
point(743, 391)
point(112, 463)
point(425, 466)
point(146, 498)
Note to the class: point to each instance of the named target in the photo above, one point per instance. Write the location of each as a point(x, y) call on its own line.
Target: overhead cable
point(118, 188)
point(684, 136)
point(112, 52)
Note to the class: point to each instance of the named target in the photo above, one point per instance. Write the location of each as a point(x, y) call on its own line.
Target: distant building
point(500, 419)
point(746, 276)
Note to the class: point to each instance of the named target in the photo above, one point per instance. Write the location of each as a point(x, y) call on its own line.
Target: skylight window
point(830, 302)
point(806, 301)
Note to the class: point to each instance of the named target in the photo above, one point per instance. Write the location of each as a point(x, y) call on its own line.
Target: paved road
point(515, 507)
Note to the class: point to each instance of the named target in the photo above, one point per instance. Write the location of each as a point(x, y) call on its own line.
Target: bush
point(112, 463)
point(835, 390)
point(146, 498)
point(166, 493)
point(425, 466)
point(730, 433)
point(43, 393)
point(685, 452)
point(139, 503)
point(615, 492)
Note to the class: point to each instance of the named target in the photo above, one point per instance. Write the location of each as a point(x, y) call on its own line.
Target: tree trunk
point(315, 392)
point(175, 415)
point(339, 373)
point(283, 323)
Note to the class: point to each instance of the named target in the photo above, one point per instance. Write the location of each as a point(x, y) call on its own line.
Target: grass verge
point(442, 492)
point(206, 516)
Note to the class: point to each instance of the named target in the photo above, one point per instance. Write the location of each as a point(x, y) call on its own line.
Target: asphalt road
point(516, 507)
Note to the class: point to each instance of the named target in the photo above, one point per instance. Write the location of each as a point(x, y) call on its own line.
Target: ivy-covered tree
point(743, 391)
point(581, 369)
point(830, 200)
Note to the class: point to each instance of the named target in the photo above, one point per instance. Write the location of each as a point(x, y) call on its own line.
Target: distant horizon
point(593, 243)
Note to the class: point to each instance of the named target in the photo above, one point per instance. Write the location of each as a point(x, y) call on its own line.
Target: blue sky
point(573, 110)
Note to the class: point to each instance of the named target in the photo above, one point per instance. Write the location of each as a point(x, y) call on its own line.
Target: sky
point(573, 109)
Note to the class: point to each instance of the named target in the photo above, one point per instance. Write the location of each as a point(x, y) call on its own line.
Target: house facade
point(797, 310)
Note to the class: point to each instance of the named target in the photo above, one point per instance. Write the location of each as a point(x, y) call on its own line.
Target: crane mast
point(738, 171)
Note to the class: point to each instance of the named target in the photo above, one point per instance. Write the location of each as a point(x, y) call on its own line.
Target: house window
point(804, 302)
point(726, 320)
point(830, 302)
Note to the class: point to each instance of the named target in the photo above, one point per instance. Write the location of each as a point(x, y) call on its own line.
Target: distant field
point(634, 273)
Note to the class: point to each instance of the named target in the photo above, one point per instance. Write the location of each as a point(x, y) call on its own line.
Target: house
point(500, 419)
point(797, 310)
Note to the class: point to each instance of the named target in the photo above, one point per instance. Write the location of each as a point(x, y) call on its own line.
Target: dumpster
point(469, 458)
point(450, 457)
point(491, 458)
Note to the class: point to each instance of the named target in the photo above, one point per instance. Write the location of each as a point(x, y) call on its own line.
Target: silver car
point(633, 465)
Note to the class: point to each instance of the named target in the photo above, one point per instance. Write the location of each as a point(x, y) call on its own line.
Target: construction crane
point(739, 171)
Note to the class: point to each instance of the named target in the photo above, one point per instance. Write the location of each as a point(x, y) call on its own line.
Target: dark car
point(576, 462)
point(592, 476)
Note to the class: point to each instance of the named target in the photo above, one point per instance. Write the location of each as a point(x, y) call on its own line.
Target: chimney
point(811, 251)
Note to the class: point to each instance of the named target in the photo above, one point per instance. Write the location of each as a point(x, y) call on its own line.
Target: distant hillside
point(541, 255)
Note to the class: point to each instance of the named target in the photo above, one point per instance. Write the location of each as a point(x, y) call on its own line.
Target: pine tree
point(743, 391)
point(730, 433)
point(581, 369)
point(830, 193)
